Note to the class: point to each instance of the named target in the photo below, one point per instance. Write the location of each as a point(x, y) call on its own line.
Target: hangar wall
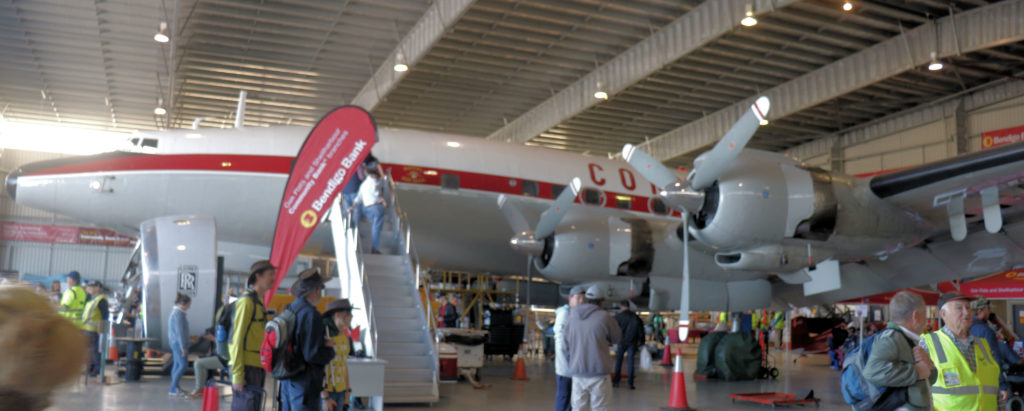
point(924, 143)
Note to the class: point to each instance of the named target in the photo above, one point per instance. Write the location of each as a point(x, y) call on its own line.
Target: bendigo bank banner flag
point(327, 160)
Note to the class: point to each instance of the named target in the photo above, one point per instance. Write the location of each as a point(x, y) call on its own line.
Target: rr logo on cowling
point(187, 280)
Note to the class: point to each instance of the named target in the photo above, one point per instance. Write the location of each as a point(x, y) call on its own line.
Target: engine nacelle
point(765, 198)
point(590, 247)
point(771, 258)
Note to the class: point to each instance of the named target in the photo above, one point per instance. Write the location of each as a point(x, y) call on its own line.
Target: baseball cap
point(980, 302)
point(578, 289)
point(258, 267)
point(93, 283)
point(75, 276)
point(595, 292)
point(953, 296)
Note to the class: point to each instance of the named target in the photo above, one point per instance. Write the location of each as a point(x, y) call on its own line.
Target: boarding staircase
point(399, 330)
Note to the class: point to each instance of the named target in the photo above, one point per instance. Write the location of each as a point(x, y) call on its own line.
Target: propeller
point(688, 196)
point(532, 241)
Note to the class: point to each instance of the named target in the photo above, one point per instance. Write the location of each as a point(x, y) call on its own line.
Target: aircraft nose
point(11, 182)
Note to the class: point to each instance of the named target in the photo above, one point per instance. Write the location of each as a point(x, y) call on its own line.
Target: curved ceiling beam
point(436, 21)
point(705, 23)
point(976, 29)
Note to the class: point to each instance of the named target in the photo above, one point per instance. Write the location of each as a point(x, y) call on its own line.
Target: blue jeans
point(347, 200)
point(619, 354)
point(296, 397)
point(338, 397)
point(178, 369)
point(376, 215)
point(563, 393)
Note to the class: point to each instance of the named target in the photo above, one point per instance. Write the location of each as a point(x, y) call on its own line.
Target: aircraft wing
point(931, 191)
point(980, 253)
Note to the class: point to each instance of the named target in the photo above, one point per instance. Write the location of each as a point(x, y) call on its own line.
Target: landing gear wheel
point(1015, 403)
point(774, 373)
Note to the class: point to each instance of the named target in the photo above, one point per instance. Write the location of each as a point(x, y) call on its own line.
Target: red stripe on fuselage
point(428, 176)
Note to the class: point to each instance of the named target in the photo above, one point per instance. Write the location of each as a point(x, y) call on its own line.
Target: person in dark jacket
point(302, 391)
point(632, 336)
point(449, 314)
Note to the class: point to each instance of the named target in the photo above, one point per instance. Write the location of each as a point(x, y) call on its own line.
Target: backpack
point(860, 393)
point(278, 354)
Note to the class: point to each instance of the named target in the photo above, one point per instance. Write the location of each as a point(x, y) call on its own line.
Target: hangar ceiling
point(676, 71)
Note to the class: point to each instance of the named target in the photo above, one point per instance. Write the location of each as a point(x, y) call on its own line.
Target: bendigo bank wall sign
point(1002, 137)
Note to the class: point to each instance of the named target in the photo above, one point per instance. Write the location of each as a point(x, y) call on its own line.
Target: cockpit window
point(144, 144)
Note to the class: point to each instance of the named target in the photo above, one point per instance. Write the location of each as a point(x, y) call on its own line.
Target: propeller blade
point(720, 158)
point(684, 298)
point(551, 217)
point(647, 166)
point(513, 215)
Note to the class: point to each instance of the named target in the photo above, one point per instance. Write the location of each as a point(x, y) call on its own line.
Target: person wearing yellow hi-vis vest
point(968, 376)
point(94, 319)
point(73, 300)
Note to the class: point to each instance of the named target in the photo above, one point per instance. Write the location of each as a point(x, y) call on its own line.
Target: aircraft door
point(179, 255)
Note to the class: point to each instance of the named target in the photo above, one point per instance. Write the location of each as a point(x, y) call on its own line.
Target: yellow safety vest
point(957, 387)
point(92, 316)
point(72, 303)
point(723, 317)
point(779, 321)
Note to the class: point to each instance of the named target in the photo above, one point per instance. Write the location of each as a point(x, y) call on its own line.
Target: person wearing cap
point(73, 301)
point(968, 376)
point(980, 328)
point(335, 395)
point(247, 373)
point(302, 390)
point(563, 389)
point(589, 334)
point(94, 318)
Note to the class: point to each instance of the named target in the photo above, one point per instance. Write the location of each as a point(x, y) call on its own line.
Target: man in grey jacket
point(589, 334)
point(896, 362)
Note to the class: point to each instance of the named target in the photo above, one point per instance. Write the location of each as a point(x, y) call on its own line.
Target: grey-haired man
point(589, 334)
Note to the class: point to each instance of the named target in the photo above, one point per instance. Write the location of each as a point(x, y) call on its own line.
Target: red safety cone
point(520, 373)
point(666, 356)
point(677, 397)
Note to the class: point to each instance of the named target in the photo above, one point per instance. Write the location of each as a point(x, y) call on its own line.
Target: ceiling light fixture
point(400, 64)
point(454, 144)
point(847, 6)
point(935, 65)
point(161, 36)
point(748, 17)
point(600, 94)
point(160, 110)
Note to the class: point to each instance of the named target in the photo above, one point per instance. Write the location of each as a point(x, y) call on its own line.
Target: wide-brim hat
point(309, 280)
point(338, 305)
point(257, 268)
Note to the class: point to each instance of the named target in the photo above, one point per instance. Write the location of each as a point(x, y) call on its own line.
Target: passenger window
point(530, 188)
point(556, 190)
point(623, 201)
point(593, 197)
point(657, 206)
point(449, 181)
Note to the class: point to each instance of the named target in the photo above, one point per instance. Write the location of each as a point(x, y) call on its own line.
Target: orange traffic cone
point(666, 356)
point(112, 354)
point(677, 397)
point(520, 373)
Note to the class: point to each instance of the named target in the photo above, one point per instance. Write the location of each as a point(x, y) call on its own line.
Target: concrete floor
point(505, 394)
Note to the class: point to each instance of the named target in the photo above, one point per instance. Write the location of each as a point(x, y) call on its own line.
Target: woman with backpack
point(177, 334)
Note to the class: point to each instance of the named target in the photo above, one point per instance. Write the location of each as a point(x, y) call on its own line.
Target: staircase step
point(400, 324)
point(396, 312)
point(400, 336)
point(408, 361)
point(400, 375)
point(403, 348)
